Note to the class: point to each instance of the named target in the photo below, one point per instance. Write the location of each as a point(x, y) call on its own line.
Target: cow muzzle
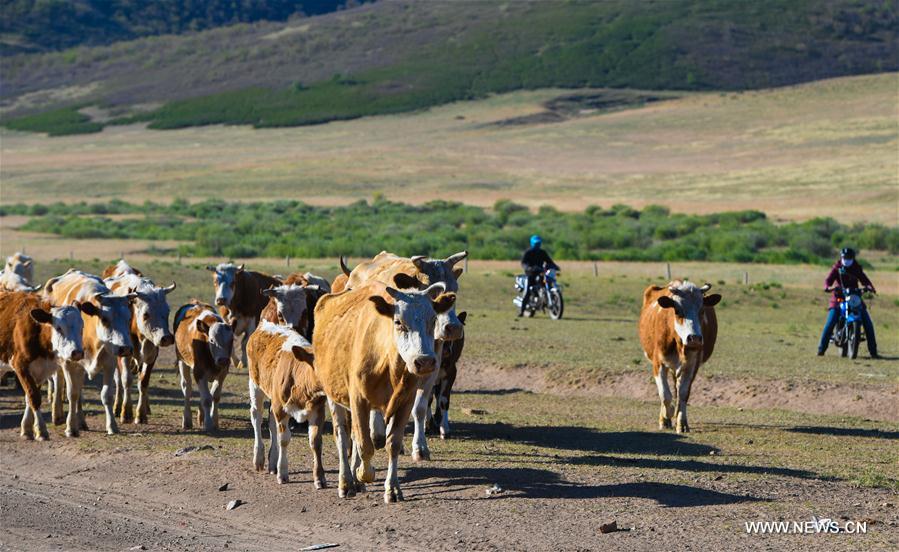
point(220, 302)
point(167, 341)
point(77, 355)
point(425, 365)
point(693, 341)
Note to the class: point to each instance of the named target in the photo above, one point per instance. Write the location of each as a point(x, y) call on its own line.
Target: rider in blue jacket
point(534, 262)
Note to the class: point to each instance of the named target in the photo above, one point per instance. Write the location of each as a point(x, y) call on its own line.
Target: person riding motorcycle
point(852, 274)
point(534, 262)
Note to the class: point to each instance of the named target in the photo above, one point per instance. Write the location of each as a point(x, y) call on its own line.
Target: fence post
point(179, 257)
point(71, 255)
point(595, 270)
point(465, 266)
point(746, 277)
point(287, 259)
point(668, 271)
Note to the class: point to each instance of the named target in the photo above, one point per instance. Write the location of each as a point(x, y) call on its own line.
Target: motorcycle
point(546, 295)
point(849, 330)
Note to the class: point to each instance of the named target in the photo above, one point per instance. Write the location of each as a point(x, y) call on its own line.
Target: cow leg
point(434, 413)
point(257, 399)
point(106, 396)
point(32, 415)
point(683, 394)
point(660, 373)
point(365, 472)
point(127, 378)
point(392, 492)
point(316, 418)
point(346, 483)
point(420, 449)
point(283, 438)
point(251, 327)
point(187, 391)
point(274, 448)
point(443, 402)
point(217, 384)
point(143, 396)
point(206, 404)
point(74, 378)
point(54, 396)
point(378, 429)
point(117, 377)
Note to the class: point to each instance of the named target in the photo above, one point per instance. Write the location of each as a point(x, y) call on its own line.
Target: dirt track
point(559, 485)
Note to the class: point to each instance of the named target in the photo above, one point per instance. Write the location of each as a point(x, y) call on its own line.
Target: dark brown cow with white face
point(678, 330)
point(443, 389)
point(240, 291)
point(35, 339)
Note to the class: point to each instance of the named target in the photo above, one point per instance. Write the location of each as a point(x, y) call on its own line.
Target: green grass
point(59, 122)
point(282, 228)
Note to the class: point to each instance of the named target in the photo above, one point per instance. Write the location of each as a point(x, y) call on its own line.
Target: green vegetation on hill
point(59, 122)
point(256, 78)
point(275, 229)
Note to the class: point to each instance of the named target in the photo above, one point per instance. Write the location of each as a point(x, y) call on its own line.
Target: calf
point(372, 345)
point(444, 387)
point(18, 274)
point(203, 344)
point(241, 292)
point(35, 337)
point(149, 332)
point(292, 304)
point(107, 337)
point(423, 271)
point(280, 365)
point(678, 329)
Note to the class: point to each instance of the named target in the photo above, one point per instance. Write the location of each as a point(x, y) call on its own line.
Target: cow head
point(687, 302)
point(113, 314)
point(21, 264)
point(66, 328)
point(414, 315)
point(449, 327)
point(290, 300)
point(151, 313)
point(224, 276)
point(220, 338)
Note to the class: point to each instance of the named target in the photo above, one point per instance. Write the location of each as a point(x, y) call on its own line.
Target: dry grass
point(821, 149)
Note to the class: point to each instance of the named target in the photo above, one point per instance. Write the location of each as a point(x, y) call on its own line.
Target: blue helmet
point(536, 240)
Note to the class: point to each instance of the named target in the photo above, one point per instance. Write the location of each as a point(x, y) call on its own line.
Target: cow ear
point(202, 327)
point(270, 292)
point(444, 302)
point(302, 354)
point(406, 281)
point(41, 316)
point(382, 306)
point(667, 302)
point(210, 268)
point(458, 272)
point(711, 300)
point(462, 316)
point(89, 309)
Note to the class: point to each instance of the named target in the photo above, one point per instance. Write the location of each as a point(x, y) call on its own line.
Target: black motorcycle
point(546, 295)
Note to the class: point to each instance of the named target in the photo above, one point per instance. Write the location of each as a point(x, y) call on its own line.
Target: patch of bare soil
point(570, 106)
point(875, 402)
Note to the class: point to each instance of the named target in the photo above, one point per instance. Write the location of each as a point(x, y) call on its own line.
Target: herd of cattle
point(377, 346)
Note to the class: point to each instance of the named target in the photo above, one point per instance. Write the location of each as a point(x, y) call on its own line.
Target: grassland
point(794, 153)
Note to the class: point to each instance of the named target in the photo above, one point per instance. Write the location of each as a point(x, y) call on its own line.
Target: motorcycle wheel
point(853, 341)
point(557, 307)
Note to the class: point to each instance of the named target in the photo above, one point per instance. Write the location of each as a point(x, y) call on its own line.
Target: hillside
point(29, 26)
point(394, 56)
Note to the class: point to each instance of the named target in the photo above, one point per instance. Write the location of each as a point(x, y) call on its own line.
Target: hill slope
point(395, 56)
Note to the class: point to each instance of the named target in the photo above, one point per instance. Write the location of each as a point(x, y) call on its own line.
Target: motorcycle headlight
point(855, 301)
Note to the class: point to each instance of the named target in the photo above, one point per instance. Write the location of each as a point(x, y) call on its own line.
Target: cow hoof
point(421, 455)
point(380, 441)
point(346, 492)
point(282, 480)
point(365, 476)
point(273, 471)
point(71, 433)
point(43, 436)
point(683, 428)
point(27, 436)
point(141, 420)
point(665, 423)
point(112, 431)
point(393, 495)
point(320, 484)
point(444, 435)
point(185, 427)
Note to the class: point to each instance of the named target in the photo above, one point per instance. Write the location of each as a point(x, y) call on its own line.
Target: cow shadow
point(846, 432)
point(431, 482)
point(495, 392)
point(695, 466)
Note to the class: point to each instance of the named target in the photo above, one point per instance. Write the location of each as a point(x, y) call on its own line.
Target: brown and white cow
point(678, 329)
point(281, 369)
point(241, 292)
point(35, 339)
point(18, 274)
point(382, 268)
point(149, 332)
point(106, 338)
point(372, 345)
point(293, 302)
point(443, 388)
point(203, 344)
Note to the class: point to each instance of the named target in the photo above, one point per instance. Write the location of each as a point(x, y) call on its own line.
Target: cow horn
point(418, 261)
point(241, 267)
point(434, 290)
point(37, 287)
point(343, 267)
point(170, 288)
point(706, 287)
point(268, 292)
point(312, 287)
point(453, 259)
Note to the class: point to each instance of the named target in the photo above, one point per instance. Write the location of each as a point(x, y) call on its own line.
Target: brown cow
point(203, 344)
point(35, 338)
point(372, 344)
point(149, 332)
point(284, 306)
point(280, 363)
point(107, 336)
point(382, 268)
point(241, 292)
point(678, 329)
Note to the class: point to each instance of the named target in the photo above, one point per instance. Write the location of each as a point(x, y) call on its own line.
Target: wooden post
point(746, 277)
point(668, 271)
point(287, 260)
point(595, 270)
point(465, 266)
point(71, 254)
point(179, 257)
